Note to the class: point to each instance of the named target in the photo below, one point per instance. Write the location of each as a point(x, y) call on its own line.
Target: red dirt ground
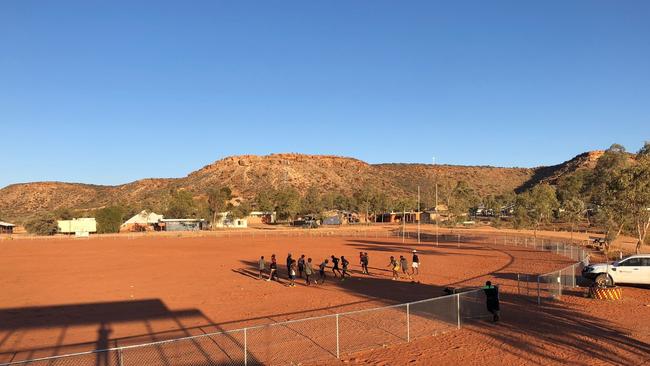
point(62, 296)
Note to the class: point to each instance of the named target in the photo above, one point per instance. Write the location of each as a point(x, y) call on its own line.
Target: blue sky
point(109, 92)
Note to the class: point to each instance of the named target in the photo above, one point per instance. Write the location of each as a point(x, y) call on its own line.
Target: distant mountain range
point(248, 174)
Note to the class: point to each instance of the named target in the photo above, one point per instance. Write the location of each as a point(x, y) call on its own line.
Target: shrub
point(109, 219)
point(43, 225)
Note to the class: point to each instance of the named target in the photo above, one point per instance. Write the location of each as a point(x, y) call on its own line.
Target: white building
point(225, 220)
point(144, 221)
point(78, 226)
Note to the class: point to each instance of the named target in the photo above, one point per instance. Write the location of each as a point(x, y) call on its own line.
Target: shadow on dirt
point(524, 331)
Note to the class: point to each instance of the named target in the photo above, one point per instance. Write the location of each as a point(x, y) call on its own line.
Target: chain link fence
point(296, 341)
point(335, 335)
point(549, 286)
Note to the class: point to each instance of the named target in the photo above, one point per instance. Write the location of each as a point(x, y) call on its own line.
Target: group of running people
point(304, 268)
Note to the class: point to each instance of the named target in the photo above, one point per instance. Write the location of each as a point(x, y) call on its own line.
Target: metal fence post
point(245, 347)
point(408, 322)
point(337, 336)
point(119, 356)
point(559, 284)
point(458, 309)
point(573, 276)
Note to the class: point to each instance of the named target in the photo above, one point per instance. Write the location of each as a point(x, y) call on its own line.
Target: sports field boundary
point(328, 336)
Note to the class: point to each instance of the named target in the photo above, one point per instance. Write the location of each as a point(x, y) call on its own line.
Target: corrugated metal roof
point(2, 223)
point(144, 217)
point(181, 220)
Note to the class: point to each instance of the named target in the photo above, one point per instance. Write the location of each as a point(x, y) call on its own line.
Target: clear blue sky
point(109, 92)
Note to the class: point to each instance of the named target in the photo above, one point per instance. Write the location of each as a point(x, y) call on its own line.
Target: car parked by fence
point(631, 270)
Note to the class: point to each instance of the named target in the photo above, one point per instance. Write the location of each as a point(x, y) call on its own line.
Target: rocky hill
point(248, 174)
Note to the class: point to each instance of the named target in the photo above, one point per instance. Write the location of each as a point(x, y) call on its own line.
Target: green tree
point(633, 184)
point(312, 202)
point(542, 204)
point(180, 205)
point(265, 200)
point(604, 189)
point(42, 225)
point(461, 199)
point(219, 201)
point(521, 216)
point(572, 203)
point(365, 201)
point(110, 218)
point(287, 203)
point(241, 211)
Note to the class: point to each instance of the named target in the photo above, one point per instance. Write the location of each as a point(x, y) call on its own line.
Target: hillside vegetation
point(249, 175)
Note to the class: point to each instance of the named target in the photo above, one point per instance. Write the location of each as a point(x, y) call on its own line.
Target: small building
point(182, 224)
point(6, 228)
point(261, 217)
point(77, 226)
point(225, 220)
point(143, 221)
point(409, 217)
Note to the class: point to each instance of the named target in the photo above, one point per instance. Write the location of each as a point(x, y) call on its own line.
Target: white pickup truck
point(631, 270)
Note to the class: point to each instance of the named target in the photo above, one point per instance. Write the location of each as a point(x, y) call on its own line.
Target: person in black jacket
point(335, 266)
point(301, 265)
point(289, 261)
point(492, 300)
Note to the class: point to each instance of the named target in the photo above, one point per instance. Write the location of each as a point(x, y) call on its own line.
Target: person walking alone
point(492, 300)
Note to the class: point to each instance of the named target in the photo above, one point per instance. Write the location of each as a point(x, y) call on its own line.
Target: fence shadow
point(21, 321)
point(528, 330)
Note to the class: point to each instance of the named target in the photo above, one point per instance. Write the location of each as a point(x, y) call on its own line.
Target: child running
point(321, 271)
point(394, 267)
point(274, 269)
point(345, 264)
point(364, 263)
point(262, 266)
point(415, 265)
point(405, 266)
point(301, 265)
point(308, 271)
point(292, 274)
point(335, 266)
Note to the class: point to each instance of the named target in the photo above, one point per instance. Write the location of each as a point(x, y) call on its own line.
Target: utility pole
point(403, 223)
point(419, 216)
point(435, 209)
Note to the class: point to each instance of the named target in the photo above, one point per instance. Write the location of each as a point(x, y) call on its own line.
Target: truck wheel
point(603, 280)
